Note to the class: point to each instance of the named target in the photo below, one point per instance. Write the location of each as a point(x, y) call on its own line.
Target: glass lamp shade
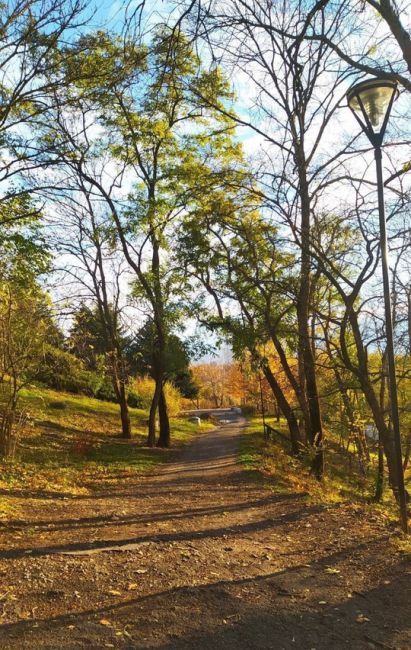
point(370, 100)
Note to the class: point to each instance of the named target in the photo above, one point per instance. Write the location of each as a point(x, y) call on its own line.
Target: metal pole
point(390, 345)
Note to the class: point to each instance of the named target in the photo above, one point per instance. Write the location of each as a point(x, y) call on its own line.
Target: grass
point(342, 481)
point(70, 445)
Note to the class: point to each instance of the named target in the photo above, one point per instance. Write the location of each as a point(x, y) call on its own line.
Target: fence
point(271, 432)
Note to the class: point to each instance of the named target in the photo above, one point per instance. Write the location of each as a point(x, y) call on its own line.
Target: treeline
point(126, 174)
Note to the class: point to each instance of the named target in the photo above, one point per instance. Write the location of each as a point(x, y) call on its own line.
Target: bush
point(248, 410)
point(63, 371)
point(106, 390)
point(135, 400)
point(143, 389)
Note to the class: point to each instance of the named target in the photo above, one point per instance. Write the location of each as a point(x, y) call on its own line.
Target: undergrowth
point(283, 473)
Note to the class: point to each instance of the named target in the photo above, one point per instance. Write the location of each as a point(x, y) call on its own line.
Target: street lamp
point(371, 102)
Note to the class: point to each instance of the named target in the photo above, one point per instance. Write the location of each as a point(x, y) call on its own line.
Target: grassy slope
point(272, 462)
point(77, 449)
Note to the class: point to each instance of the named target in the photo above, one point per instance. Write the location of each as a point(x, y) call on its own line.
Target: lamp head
point(371, 101)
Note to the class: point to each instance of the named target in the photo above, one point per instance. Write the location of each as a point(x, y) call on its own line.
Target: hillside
point(70, 445)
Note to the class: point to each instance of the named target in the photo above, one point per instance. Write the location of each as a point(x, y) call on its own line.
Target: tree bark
point(287, 411)
point(384, 431)
point(379, 483)
point(124, 413)
point(121, 396)
point(315, 432)
point(164, 437)
point(151, 438)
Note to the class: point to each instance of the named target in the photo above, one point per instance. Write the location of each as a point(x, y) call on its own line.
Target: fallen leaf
point(331, 570)
point(362, 619)
point(104, 621)
point(132, 586)
point(114, 592)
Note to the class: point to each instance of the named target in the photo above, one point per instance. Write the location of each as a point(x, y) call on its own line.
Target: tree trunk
point(151, 438)
point(407, 452)
point(297, 385)
point(124, 413)
point(287, 411)
point(379, 482)
point(385, 431)
point(305, 344)
point(164, 437)
point(121, 396)
point(7, 434)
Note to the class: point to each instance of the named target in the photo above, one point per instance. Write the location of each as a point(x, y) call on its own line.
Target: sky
point(111, 15)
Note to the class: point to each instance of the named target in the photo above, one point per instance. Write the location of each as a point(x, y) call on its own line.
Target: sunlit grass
point(342, 481)
point(71, 445)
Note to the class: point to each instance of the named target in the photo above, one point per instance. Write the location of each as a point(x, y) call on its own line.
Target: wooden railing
point(271, 432)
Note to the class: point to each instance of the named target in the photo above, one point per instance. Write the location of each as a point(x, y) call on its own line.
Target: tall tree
point(170, 148)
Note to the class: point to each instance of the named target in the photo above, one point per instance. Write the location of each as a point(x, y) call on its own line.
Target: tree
point(231, 253)
point(96, 335)
point(31, 32)
point(377, 57)
point(146, 357)
point(24, 325)
point(174, 148)
point(297, 87)
point(94, 275)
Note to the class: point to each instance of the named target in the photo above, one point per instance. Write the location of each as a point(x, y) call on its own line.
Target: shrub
point(143, 388)
point(63, 371)
point(135, 400)
point(248, 410)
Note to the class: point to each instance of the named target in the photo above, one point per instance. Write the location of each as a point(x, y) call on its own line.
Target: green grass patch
point(71, 445)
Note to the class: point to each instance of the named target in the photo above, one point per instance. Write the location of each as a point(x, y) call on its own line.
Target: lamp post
point(371, 102)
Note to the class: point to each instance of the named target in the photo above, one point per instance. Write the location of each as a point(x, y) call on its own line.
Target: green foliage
point(89, 338)
point(144, 354)
point(135, 399)
point(184, 381)
point(24, 253)
point(64, 371)
point(24, 322)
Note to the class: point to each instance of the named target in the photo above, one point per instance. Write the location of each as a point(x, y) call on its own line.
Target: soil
point(200, 554)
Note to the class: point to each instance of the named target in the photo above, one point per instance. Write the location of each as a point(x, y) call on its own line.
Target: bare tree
point(96, 275)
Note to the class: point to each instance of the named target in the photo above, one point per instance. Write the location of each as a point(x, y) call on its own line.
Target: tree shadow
point(300, 607)
point(234, 530)
point(113, 519)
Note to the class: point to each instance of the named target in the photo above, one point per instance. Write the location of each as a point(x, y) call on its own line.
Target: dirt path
point(200, 555)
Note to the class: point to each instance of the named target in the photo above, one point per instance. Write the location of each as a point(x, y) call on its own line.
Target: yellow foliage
point(144, 387)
